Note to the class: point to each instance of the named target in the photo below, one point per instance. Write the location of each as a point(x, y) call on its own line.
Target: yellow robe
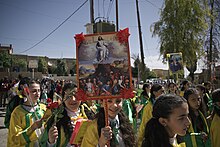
point(180, 145)
point(194, 140)
point(91, 137)
point(182, 93)
point(62, 140)
point(20, 133)
point(147, 115)
point(214, 131)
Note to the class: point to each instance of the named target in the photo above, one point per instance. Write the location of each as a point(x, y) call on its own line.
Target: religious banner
point(175, 62)
point(103, 65)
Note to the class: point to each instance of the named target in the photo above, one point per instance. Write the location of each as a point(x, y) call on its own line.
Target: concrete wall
point(13, 75)
point(37, 75)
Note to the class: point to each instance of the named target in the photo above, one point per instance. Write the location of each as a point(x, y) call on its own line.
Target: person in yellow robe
point(144, 97)
point(198, 132)
point(184, 86)
point(25, 124)
point(119, 132)
point(169, 119)
point(215, 127)
point(156, 90)
point(59, 134)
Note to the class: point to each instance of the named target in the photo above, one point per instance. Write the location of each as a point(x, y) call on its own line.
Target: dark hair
point(201, 87)
point(171, 83)
point(154, 88)
point(20, 76)
point(216, 98)
point(196, 121)
point(66, 121)
point(183, 84)
point(125, 127)
point(204, 102)
point(100, 38)
point(207, 83)
point(216, 95)
point(189, 92)
point(24, 81)
point(33, 82)
point(68, 86)
point(146, 85)
point(155, 133)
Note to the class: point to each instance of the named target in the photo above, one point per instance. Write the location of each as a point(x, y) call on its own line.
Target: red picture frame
point(103, 66)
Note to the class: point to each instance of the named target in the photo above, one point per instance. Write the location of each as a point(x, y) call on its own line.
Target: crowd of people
point(157, 116)
point(104, 84)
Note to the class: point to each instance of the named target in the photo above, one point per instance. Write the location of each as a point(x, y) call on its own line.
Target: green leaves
point(182, 28)
point(42, 65)
point(5, 58)
point(60, 116)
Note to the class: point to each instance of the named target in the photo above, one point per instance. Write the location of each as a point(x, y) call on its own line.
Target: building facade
point(21, 64)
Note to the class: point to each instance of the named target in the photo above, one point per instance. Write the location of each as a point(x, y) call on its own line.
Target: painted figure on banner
point(90, 87)
point(174, 63)
point(102, 50)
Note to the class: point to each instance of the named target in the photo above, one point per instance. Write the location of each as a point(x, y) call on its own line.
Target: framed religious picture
point(175, 62)
point(103, 65)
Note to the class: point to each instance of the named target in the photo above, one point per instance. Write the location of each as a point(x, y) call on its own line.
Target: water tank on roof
point(103, 26)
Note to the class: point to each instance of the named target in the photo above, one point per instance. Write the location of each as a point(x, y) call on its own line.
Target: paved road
point(3, 130)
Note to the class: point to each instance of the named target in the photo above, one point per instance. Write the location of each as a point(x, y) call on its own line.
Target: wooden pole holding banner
point(106, 111)
point(105, 104)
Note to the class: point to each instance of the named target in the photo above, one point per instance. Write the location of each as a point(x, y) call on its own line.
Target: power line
point(153, 4)
point(103, 7)
point(56, 28)
point(98, 9)
point(109, 8)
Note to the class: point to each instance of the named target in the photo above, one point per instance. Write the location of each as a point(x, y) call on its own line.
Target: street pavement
point(3, 130)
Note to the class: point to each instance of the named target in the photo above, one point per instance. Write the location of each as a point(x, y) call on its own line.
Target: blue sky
point(25, 22)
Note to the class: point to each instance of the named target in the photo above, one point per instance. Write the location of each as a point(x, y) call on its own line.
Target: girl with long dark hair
point(155, 92)
point(170, 118)
point(25, 122)
point(60, 132)
point(198, 132)
point(184, 86)
point(119, 132)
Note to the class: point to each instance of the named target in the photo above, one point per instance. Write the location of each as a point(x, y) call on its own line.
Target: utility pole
point(116, 13)
point(210, 61)
point(140, 39)
point(92, 20)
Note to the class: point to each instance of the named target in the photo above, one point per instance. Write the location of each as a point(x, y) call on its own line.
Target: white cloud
point(153, 62)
